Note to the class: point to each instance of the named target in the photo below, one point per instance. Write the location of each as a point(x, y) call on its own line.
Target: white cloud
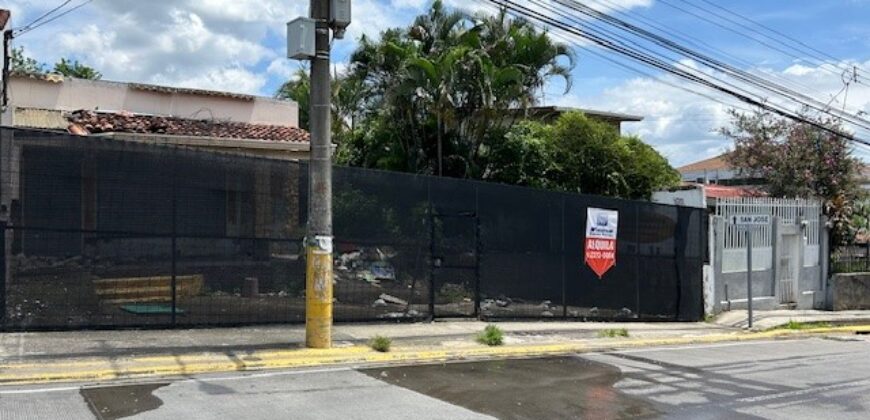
point(413, 4)
point(684, 126)
point(282, 68)
point(196, 43)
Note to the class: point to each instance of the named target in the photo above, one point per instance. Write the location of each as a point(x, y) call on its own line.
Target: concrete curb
point(109, 368)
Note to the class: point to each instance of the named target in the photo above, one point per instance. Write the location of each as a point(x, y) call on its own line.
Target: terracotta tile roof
point(4, 17)
point(125, 122)
point(724, 191)
point(711, 164)
point(47, 77)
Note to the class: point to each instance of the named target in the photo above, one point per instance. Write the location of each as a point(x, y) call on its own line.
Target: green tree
point(444, 86)
point(347, 94)
point(72, 68)
point(582, 155)
point(298, 89)
point(522, 157)
point(21, 63)
point(799, 160)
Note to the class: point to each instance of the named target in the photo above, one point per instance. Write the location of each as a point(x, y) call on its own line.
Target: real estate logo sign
point(600, 250)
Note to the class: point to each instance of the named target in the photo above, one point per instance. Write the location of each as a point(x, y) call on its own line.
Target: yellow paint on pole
point(318, 294)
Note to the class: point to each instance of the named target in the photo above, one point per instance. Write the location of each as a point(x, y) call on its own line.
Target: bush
point(491, 336)
point(613, 333)
point(380, 343)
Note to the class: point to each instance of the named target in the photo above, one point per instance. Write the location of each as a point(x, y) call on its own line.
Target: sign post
point(749, 223)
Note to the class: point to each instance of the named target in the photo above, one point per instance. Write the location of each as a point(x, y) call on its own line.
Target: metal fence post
point(479, 252)
point(749, 274)
point(562, 259)
point(431, 262)
point(3, 277)
point(173, 281)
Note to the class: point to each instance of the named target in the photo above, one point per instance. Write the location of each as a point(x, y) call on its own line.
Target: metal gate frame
point(435, 261)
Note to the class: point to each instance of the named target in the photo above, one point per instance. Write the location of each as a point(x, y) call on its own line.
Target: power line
point(43, 16)
point(816, 52)
point(652, 61)
point(626, 12)
point(741, 33)
point(728, 69)
point(633, 69)
point(68, 11)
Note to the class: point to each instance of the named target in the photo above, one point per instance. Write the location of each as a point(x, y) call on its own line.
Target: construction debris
point(392, 299)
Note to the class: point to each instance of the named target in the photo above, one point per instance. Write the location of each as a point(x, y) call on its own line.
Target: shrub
point(380, 343)
point(491, 336)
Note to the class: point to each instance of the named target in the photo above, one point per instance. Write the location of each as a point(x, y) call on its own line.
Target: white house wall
point(77, 94)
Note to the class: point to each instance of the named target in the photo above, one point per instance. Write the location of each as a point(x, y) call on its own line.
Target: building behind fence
point(789, 257)
point(108, 233)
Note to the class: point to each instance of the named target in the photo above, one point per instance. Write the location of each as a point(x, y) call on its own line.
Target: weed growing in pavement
point(795, 325)
point(491, 336)
point(613, 333)
point(380, 343)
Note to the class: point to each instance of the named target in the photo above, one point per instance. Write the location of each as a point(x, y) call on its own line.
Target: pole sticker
point(600, 250)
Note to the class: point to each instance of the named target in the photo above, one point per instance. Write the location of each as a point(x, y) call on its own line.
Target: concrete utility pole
point(318, 285)
point(309, 39)
point(7, 40)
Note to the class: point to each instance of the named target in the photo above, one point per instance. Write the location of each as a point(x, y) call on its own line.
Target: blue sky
point(238, 45)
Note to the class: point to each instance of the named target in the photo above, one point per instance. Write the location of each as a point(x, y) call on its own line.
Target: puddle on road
point(567, 387)
point(116, 402)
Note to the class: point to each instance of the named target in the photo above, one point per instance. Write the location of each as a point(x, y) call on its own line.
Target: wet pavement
point(791, 379)
point(116, 402)
point(565, 387)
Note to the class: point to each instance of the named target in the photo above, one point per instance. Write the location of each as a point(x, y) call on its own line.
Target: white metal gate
point(797, 244)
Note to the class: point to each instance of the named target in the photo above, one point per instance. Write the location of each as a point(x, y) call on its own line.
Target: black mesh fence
point(112, 233)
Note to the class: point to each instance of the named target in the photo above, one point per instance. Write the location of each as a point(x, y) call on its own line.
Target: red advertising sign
point(600, 250)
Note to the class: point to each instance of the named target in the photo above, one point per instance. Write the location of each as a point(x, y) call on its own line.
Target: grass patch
point(613, 333)
point(797, 326)
point(380, 343)
point(709, 318)
point(491, 336)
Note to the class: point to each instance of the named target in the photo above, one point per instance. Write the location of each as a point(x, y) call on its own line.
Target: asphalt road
point(793, 379)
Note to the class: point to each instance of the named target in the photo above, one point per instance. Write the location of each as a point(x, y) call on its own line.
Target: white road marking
point(800, 392)
point(38, 390)
point(686, 347)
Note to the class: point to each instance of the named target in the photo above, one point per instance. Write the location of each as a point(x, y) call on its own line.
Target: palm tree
point(443, 86)
point(298, 89)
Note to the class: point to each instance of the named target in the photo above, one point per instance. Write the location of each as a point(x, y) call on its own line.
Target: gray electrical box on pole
point(300, 39)
point(339, 13)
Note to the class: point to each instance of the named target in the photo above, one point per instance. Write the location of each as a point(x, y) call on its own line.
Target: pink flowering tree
point(799, 160)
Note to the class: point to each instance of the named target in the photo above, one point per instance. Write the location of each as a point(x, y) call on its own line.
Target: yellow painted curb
point(104, 369)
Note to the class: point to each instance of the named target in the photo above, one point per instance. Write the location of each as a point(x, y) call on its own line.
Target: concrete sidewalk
point(763, 320)
point(94, 356)
point(76, 344)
